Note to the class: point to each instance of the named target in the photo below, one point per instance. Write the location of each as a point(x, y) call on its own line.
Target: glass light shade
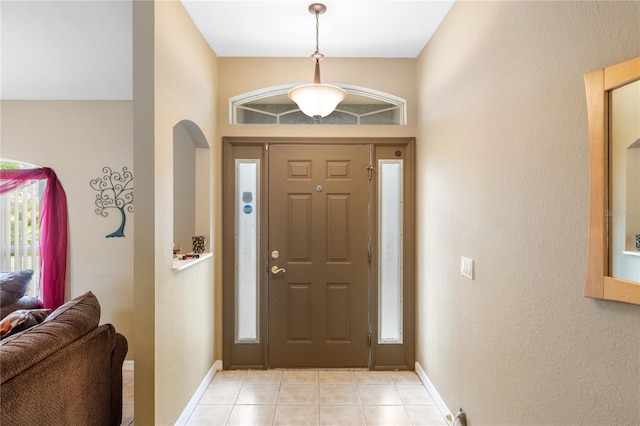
point(317, 100)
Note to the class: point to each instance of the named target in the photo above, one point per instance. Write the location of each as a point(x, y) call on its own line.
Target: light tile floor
point(315, 397)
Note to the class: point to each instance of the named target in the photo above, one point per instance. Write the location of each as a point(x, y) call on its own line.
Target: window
point(247, 208)
point(19, 227)
point(390, 243)
point(362, 106)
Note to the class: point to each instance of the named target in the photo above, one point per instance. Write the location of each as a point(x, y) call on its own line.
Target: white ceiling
point(349, 28)
point(66, 50)
point(58, 49)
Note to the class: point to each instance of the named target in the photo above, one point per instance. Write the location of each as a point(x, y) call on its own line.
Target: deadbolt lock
point(275, 254)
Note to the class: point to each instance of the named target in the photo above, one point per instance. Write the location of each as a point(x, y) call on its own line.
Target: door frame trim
point(382, 356)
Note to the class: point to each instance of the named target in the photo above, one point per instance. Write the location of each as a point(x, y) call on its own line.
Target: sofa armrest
point(117, 359)
point(72, 386)
point(65, 325)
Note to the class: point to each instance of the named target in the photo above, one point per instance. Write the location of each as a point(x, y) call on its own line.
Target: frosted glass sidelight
point(247, 237)
point(390, 242)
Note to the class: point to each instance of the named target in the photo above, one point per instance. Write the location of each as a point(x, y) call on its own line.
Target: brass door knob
point(275, 270)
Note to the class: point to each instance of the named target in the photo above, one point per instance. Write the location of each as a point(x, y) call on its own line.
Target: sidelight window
point(247, 280)
point(390, 242)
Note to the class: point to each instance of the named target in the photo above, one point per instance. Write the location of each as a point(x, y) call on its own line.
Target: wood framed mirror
point(613, 106)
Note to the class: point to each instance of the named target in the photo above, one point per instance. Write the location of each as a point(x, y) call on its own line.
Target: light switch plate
point(466, 267)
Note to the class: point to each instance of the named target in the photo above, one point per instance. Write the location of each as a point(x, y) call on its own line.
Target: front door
point(318, 253)
point(318, 249)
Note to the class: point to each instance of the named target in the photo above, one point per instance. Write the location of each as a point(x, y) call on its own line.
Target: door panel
point(338, 228)
point(299, 319)
point(299, 225)
point(338, 324)
point(319, 223)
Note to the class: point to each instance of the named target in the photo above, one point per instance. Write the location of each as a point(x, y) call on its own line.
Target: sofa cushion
point(66, 324)
point(20, 320)
point(83, 310)
point(25, 302)
point(13, 285)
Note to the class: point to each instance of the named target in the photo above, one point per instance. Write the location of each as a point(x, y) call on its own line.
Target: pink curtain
point(53, 229)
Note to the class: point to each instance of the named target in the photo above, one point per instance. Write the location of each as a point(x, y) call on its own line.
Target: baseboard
point(188, 410)
point(127, 365)
point(442, 407)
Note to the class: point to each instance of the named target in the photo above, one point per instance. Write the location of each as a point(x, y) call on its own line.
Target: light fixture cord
point(317, 32)
point(317, 55)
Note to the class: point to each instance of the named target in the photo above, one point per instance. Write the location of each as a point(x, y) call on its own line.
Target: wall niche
point(191, 186)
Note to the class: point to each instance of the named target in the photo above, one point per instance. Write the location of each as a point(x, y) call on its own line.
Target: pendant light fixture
point(317, 100)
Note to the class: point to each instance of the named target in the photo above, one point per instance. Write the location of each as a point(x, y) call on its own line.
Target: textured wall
point(503, 179)
point(174, 80)
point(241, 75)
point(100, 134)
point(184, 189)
point(185, 70)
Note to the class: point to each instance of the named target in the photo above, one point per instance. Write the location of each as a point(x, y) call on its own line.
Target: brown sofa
point(65, 371)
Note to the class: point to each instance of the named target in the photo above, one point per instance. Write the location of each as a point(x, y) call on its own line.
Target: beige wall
point(77, 139)
point(503, 179)
point(240, 75)
point(174, 80)
point(184, 189)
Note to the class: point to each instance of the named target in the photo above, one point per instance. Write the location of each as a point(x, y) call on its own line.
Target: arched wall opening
point(191, 185)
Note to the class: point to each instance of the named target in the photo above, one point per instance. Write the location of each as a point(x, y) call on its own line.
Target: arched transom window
point(362, 106)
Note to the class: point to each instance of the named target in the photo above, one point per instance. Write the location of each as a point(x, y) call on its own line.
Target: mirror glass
point(624, 189)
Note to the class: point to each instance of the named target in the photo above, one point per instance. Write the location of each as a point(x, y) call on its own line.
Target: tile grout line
point(396, 382)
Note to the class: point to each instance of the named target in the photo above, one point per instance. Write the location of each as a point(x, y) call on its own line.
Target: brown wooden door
point(319, 225)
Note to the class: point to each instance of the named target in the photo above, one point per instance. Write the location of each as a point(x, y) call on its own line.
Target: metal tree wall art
point(115, 191)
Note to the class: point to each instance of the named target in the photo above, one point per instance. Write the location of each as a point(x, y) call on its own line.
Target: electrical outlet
point(466, 267)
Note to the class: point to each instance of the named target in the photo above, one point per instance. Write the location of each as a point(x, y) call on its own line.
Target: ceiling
point(58, 49)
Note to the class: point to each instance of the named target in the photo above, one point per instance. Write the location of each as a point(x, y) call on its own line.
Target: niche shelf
point(179, 264)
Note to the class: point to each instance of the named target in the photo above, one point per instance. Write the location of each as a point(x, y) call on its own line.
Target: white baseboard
point(188, 410)
point(442, 407)
point(127, 365)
